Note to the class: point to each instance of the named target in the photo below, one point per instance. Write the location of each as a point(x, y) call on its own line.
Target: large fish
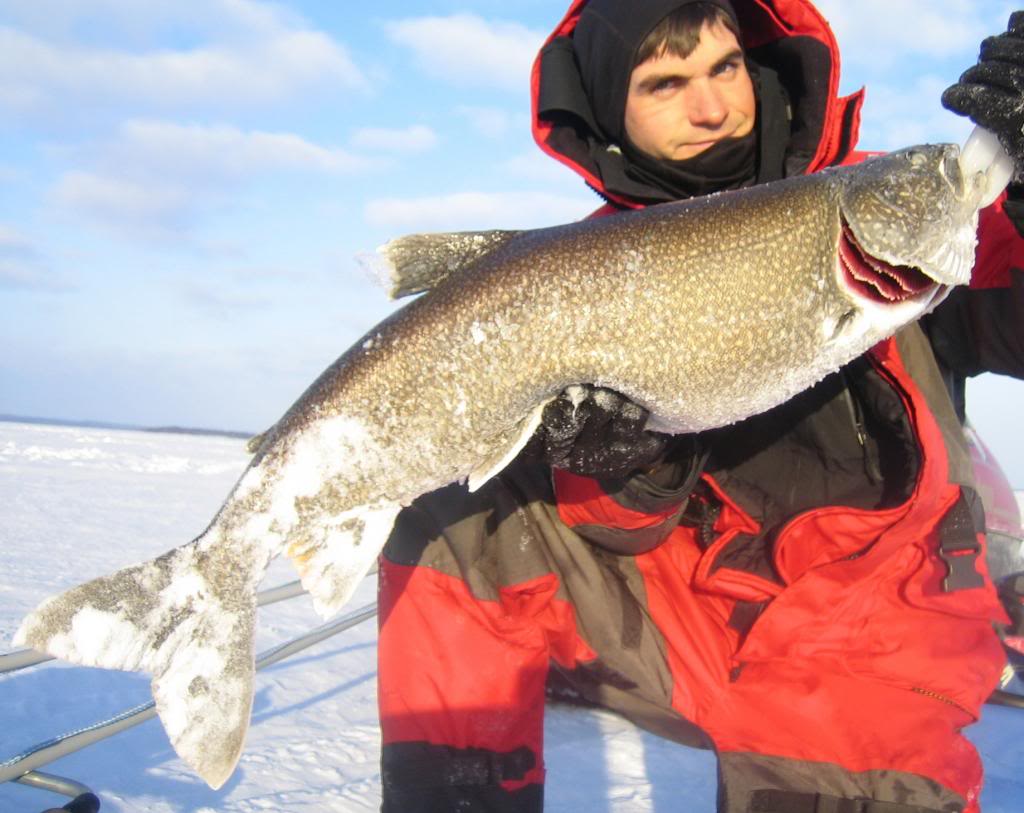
point(704, 312)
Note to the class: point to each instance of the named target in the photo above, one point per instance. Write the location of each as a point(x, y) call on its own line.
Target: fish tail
point(187, 618)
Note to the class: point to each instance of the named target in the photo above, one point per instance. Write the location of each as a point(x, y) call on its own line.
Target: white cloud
point(467, 50)
point(478, 210)
point(911, 115)
point(13, 242)
point(247, 276)
point(538, 166)
point(886, 32)
point(414, 139)
point(21, 266)
point(228, 292)
point(234, 18)
point(155, 177)
point(22, 275)
point(41, 77)
point(222, 302)
point(492, 122)
point(220, 151)
point(907, 52)
point(131, 205)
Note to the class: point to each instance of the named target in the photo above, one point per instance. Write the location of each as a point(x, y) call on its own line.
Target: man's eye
point(727, 69)
point(664, 86)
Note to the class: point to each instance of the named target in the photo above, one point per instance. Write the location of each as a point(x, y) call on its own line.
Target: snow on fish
point(704, 312)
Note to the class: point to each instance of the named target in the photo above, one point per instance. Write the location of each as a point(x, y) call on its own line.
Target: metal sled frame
point(23, 767)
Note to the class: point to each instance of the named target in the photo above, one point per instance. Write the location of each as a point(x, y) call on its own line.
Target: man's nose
point(705, 106)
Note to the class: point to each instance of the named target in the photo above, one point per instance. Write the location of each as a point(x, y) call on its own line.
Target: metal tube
point(279, 653)
point(1010, 699)
point(279, 593)
point(23, 658)
point(20, 659)
point(46, 752)
point(54, 784)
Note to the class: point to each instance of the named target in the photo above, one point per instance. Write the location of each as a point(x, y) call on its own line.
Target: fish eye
point(917, 158)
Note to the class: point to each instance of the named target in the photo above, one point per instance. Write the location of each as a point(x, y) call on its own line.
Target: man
point(804, 592)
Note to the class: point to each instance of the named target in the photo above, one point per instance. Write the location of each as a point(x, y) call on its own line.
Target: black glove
point(991, 93)
point(86, 803)
point(595, 432)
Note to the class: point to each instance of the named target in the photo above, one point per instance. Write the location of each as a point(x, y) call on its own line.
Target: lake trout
point(703, 312)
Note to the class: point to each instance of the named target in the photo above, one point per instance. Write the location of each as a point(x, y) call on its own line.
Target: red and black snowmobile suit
point(817, 608)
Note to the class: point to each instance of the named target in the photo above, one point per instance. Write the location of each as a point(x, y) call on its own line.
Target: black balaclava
point(605, 42)
point(606, 39)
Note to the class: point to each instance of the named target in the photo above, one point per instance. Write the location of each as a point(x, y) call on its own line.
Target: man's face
point(677, 108)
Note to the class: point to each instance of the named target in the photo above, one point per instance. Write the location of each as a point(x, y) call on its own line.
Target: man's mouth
point(875, 279)
point(692, 149)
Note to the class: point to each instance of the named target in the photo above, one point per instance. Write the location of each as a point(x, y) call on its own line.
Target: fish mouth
point(877, 280)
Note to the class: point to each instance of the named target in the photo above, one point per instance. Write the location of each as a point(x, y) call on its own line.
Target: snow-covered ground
point(77, 503)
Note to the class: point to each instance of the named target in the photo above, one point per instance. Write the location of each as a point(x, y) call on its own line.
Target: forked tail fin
point(187, 618)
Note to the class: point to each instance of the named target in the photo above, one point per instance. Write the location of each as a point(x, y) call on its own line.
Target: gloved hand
point(595, 432)
point(86, 803)
point(991, 94)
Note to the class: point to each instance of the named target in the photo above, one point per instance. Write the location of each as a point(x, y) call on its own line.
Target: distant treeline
point(176, 430)
point(186, 430)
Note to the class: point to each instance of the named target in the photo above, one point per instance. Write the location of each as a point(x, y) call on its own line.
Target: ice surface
point(78, 503)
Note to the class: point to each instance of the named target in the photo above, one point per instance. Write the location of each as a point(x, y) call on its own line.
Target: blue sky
point(186, 184)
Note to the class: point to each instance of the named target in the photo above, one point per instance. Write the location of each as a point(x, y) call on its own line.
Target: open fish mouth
point(875, 279)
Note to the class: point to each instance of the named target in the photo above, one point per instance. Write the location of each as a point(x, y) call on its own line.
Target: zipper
point(871, 468)
point(943, 699)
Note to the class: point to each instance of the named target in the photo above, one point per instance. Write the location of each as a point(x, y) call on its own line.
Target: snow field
point(77, 503)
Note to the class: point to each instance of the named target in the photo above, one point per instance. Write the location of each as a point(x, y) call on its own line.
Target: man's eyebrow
point(732, 56)
point(655, 79)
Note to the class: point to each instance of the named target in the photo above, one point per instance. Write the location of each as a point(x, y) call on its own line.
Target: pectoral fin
point(506, 448)
point(333, 554)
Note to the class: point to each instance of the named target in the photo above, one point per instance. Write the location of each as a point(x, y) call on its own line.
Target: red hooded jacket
point(802, 550)
point(817, 609)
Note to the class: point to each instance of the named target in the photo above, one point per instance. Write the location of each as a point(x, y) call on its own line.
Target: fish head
point(908, 232)
point(915, 209)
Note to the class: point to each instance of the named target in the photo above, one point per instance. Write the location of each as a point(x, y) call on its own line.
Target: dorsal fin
point(418, 262)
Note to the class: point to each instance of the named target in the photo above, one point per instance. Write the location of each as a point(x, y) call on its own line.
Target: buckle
point(958, 542)
point(961, 571)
